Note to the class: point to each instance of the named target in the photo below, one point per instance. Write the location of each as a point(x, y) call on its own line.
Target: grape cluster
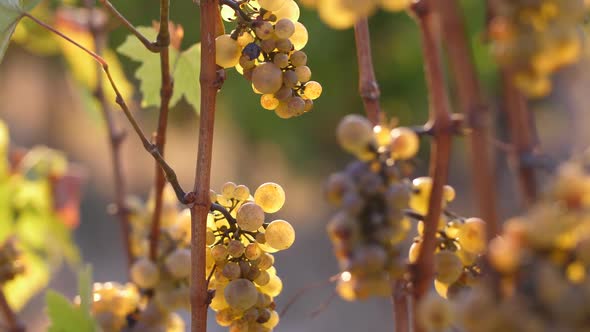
point(460, 242)
point(266, 48)
point(536, 38)
point(342, 14)
point(10, 261)
point(239, 256)
point(541, 263)
point(369, 229)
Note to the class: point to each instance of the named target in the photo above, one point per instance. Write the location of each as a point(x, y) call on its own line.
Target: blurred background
point(43, 103)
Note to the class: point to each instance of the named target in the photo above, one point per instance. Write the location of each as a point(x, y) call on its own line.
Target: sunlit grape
point(270, 197)
point(241, 294)
point(280, 235)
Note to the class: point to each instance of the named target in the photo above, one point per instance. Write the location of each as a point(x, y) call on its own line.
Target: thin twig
point(442, 126)
point(182, 196)
point(151, 46)
point(475, 109)
point(10, 318)
point(210, 84)
point(160, 136)
point(305, 290)
point(324, 305)
point(368, 86)
point(115, 135)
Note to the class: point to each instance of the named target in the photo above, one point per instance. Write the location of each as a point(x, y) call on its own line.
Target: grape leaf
point(65, 317)
point(85, 287)
point(25, 286)
point(185, 70)
point(11, 11)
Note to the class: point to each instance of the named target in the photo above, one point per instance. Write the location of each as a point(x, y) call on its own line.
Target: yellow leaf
point(20, 290)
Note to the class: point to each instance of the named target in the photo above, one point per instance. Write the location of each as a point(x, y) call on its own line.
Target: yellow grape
point(313, 90)
point(448, 267)
point(270, 197)
point(404, 143)
point(354, 133)
point(250, 217)
point(284, 28)
point(267, 78)
point(435, 313)
point(228, 51)
point(280, 235)
point(145, 273)
point(472, 235)
point(274, 286)
point(241, 294)
point(335, 15)
point(414, 252)
point(289, 10)
point(300, 36)
point(178, 263)
point(396, 5)
point(273, 320)
point(271, 5)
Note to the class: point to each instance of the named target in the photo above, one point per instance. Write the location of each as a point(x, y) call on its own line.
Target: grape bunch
point(266, 48)
point(536, 38)
point(11, 264)
point(371, 194)
point(342, 14)
point(460, 243)
point(239, 255)
point(541, 263)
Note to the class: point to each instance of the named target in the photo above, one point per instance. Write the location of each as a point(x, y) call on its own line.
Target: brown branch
point(522, 136)
point(151, 46)
point(368, 86)
point(115, 134)
point(210, 84)
point(476, 111)
point(442, 127)
point(12, 322)
point(160, 136)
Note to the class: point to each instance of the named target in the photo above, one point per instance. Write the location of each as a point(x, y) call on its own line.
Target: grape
point(296, 105)
point(271, 5)
point(265, 261)
point(250, 217)
point(414, 252)
point(435, 313)
point(283, 45)
point(267, 78)
point(231, 270)
point(263, 278)
point(289, 10)
point(218, 302)
point(145, 273)
point(419, 201)
point(264, 30)
point(241, 193)
point(252, 251)
point(313, 90)
point(273, 320)
point(303, 73)
point(354, 133)
point(300, 36)
point(274, 286)
point(396, 5)
point(270, 197)
point(210, 237)
point(245, 39)
point(224, 317)
point(269, 102)
point(281, 60)
point(235, 248)
point(280, 235)
point(228, 14)
point(241, 294)
point(219, 252)
point(178, 263)
point(404, 144)
point(284, 28)
point(268, 45)
point(290, 80)
point(228, 51)
point(448, 267)
point(472, 235)
point(246, 63)
point(298, 58)
point(283, 93)
point(228, 190)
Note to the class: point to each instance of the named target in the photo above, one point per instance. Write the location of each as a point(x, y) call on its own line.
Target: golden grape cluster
point(342, 14)
point(369, 229)
point(266, 48)
point(460, 242)
point(536, 38)
point(11, 264)
point(541, 264)
point(239, 256)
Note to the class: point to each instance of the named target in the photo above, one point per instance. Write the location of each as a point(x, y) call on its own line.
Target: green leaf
point(185, 70)
point(11, 11)
point(25, 286)
point(85, 287)
point(65, 317)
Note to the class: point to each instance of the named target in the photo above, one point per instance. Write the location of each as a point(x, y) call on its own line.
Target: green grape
point(227, 53)
point(178, 263)
point(281, 60)
point(269, 102)
point(280, 235)
point(252, 251)
point(218, 302)
point(267, 78)
point(271, 5)
point(289, 10)
point(231, 271)
point(228, 190)
point(235, 248)
point(435, 313)
point(404, 143)
point(145, 273)
point(300, 36)
point(270, 197)
point(262, 279)
point(244, 39)
point(265, 261)
point(273, 321)
point(284, 28)
point(210, 237)
point(246, 63)
point(264, 30)
point(472, 235)
point(313, 90)
point(228, 14)
point(447, 266)
point(219, 252)
point(274, 286)
point(354, 133)
point(303, 73)
point(250, 217)
point(298, 58)
point(241, 294)
point(225, 317)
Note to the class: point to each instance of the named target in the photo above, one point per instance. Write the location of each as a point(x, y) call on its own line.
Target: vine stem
point(166, 90)
point(115, 136)
point(12, 323)
point(368, 86)
point(210, 83)
point(442, 130)
point(476, 110)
